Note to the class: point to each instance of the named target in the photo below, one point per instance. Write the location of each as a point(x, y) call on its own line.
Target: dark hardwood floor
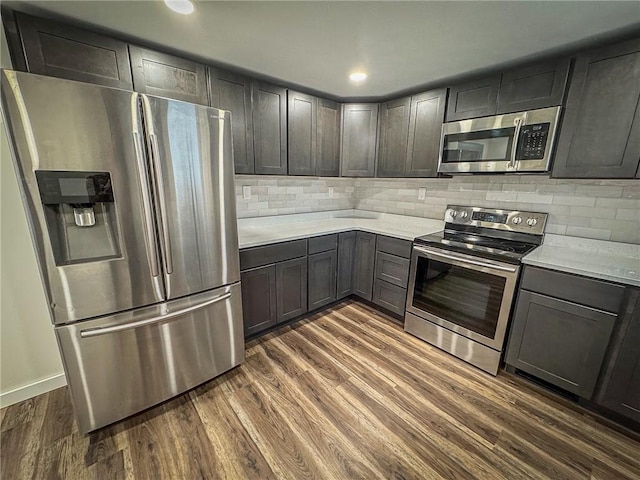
point(345, 394)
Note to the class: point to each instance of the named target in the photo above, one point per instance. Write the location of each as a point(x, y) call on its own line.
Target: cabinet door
point(302, 123)
point(560, 342)
point(474, 99)
point(365, 264)
point(291, 286)
point(270, 128)
point(60, 50)
point(346, 256)
point(600, 135)
point(164, 75)
point(425, 128)
point(620, 389)
point(359, 129)
point(535, 86)
point(232, 92)
point(389, 296)
point(258, 299)
point(328, 141)
point(394, 130)
point(322, 279)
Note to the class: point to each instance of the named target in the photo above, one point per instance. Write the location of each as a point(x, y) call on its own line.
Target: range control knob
point(453, 213)
point(516, 220)
point(531, 222)
point(464, 214)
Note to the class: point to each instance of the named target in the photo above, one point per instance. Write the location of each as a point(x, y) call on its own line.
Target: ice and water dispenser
point(81, 215)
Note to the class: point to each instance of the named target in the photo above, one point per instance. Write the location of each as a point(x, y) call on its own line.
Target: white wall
point(29, 360)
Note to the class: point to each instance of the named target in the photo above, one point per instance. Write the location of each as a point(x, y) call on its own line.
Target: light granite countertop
point(257, 231)
point(613, 261)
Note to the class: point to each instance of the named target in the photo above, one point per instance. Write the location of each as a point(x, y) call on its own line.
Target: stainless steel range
point(463, 280)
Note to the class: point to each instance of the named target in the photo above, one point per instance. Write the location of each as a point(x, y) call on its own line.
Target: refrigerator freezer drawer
point(119, 365)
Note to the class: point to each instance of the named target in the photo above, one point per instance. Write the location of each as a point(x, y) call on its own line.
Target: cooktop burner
point(498, 234)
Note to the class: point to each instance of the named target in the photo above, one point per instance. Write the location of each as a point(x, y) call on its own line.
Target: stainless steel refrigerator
point(131, 205)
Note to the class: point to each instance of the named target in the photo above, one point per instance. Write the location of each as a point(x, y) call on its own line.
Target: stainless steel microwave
point(511, 143)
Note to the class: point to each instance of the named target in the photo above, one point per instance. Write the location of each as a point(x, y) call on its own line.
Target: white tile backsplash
point(599, 209)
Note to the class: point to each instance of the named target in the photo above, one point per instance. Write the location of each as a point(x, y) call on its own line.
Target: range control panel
point(511, 220)
point(532, 141)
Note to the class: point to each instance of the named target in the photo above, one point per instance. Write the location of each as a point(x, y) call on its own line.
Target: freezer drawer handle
point(94, 332)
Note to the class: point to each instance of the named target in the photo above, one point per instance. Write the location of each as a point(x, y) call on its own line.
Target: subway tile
point(589, 233)
point(502, 196)
point(574, 200)
point(628, 214)
point(535, 198)
point(599, 191)
point(593, 212)
point(618, 203)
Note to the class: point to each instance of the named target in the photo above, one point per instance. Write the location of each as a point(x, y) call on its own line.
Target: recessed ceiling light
point(358, 76)
point(184, 7)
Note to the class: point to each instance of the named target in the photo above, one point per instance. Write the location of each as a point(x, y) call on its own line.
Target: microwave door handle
point(143, 184)
point(465, 260)
point(94, 332)
point(518, 121)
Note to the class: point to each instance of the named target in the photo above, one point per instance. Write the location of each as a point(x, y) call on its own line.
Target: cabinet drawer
point(392, 269)
point(389, 296)
point(585, 291)
point(394, 246)
point(277, 252)
point(323, 243)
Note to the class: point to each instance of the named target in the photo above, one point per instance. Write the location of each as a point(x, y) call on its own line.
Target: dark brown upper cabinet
point(270, 128)
point(328, 140)
point(60, 50)
point(302, 116)
point(425, 127)
point(392, 138)
point(478, 98)
point(600, 135)
point(232, 92)
point(535, 86)
point(165, 75)
point(358, 146)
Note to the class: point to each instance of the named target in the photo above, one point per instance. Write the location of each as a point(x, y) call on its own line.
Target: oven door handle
point(470, 261)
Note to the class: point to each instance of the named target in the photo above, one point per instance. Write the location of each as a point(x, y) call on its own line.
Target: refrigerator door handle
point(94, 332)
point(150, 240)
point(155, 154)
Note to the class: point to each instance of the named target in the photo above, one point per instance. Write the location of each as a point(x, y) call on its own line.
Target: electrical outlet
point(246, 192)
point(422, 193)
point(330, 192)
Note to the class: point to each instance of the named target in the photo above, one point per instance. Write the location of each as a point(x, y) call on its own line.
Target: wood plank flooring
point(345, 394)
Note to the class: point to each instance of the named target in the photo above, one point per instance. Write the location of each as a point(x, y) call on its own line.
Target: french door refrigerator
point(131, 205)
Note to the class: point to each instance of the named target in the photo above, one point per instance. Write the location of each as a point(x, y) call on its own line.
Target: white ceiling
point(317, 44)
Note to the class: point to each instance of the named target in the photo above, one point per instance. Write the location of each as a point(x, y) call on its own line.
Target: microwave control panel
point(533, 141)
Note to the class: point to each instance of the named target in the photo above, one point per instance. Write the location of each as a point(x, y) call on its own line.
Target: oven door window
point(481, 146)
point(468, 298)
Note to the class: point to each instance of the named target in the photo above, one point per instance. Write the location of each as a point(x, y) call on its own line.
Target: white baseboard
point(32, 390)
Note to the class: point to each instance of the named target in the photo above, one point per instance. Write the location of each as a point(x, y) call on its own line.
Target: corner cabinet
point(346, 264)
point(64, 51)
point(365, 259)
point(269, 128)
point(232, 92)
point(165, 75)
point(600, 135)
point(392, 138)
point(302, 120)
point(328, 140)
point(359, 132)
point(425, 127)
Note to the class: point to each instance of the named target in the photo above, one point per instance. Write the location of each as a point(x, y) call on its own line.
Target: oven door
point(469, 295)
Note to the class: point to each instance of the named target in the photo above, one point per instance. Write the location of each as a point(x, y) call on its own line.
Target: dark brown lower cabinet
point(560, 342)
point(620, 387)
point(364, 265)
point(291, 288)
point(258, 298)
point(346, 257)
point(322, 279)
